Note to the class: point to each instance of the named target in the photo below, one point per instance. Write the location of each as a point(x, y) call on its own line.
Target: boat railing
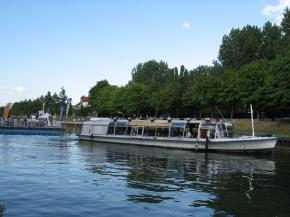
point(23, 123)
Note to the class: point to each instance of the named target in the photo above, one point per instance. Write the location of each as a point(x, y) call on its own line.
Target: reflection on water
point(2, 209)
point(64, 177)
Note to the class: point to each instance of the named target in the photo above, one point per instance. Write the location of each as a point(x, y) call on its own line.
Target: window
point(111, 130)
point(176, 132)
point(136, 131)
point(149, 131)
point(129, 130)
point(162, 132)
point(194, 129)
point(120, 130)
point(231, 131)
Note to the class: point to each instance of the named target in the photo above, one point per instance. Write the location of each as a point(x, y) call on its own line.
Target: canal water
point(60, 176)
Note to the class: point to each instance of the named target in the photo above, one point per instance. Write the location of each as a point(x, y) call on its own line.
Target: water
point(54, 176)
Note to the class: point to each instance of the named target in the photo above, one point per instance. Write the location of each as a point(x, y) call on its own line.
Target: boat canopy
point(148, 123)
point(121, 123)
point(178, 124)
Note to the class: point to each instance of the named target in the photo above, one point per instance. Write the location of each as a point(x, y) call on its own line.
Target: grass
point(263, 127)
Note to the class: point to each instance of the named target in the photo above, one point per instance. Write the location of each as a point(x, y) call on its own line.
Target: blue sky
point(47, 44)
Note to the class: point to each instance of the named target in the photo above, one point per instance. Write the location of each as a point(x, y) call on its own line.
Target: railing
point(26, 123)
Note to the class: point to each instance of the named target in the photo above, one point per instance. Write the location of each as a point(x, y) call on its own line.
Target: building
point(84, 102)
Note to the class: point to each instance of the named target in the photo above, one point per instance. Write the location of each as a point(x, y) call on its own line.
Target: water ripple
point(57, 176)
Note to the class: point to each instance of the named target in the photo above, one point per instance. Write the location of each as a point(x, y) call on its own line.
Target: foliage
point(52, 103)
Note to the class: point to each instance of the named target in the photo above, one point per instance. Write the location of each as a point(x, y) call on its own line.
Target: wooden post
point(206, 144)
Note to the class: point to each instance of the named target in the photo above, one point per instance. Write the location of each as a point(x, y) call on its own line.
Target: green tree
point(285, 25)
point(150, 72)
point(94, 93)
point(136, 98)
point(240, 47)
point(280, 83)
point(271, 41)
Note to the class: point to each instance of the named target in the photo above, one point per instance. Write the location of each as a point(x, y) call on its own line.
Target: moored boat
point(203, 135)
point(43, 125)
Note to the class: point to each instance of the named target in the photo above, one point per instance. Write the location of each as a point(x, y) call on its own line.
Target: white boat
point(197, 135)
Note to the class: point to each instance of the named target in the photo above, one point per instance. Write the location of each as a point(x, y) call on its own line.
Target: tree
point(149, 72)
point(252, 78)
point(94, 93)
point(285, 25)
point(136, 98)
point(280, 83)
point(62, 96)
point(271, 41)
point(240, 47)
point(230, 95)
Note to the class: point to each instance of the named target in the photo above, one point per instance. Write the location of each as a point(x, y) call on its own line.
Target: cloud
point(186, 25)
point(13, 90)
point(276, 11)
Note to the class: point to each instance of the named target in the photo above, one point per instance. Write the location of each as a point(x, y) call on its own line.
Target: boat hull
point(42, 131)
point(242, 144)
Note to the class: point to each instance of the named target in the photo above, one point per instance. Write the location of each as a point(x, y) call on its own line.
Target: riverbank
point(263, 127)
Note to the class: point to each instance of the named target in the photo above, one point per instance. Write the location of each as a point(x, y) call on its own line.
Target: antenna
point(221, 113)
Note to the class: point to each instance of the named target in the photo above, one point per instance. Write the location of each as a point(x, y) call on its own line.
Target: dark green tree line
point(253, 68)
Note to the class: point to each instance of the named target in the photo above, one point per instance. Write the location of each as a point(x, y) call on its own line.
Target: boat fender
point(92, 136)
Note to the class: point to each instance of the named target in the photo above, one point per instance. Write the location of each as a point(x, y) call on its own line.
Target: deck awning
point(148, 124)
point(121, 123)
point(178, 124)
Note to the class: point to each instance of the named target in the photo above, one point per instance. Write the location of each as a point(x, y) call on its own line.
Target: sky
point(49, 44)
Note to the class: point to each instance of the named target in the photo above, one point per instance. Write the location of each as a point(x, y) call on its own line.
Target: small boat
point(43, 125)
point(196, 135)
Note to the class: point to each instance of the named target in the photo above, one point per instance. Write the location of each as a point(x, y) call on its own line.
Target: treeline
point(253, 67)
point(52, 104)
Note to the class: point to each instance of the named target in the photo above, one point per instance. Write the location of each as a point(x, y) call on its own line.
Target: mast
point(252, 119)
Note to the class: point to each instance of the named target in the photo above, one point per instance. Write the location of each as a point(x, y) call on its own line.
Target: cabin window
point(205, 131)
point(194, 129)
point(121, 127)
point(111, 129)
point(188, 133)
point(162, 132)
point(129, 130)
point(220, 131)
point(140, 131)
point(211, 133)
point(176, 132)
point(136, 131)
point(177, 128)
point(149, 131)
point(230, 131)
point(225, 130)
point(120, 130)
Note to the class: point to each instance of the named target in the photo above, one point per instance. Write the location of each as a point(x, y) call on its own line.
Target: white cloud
point(186, 25)
point(13, 90)
point(276, 11)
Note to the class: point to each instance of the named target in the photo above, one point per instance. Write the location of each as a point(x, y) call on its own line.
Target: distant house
point(84, 102)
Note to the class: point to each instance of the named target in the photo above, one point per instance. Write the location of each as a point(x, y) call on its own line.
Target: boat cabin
point(198, 129)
